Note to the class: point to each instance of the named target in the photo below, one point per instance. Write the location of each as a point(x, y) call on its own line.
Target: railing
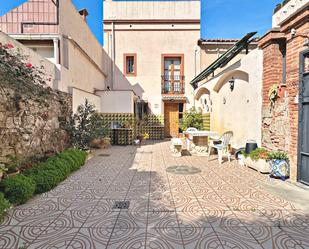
point(172, 84)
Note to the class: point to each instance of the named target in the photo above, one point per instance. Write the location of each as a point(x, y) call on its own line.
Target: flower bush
point(17, 67)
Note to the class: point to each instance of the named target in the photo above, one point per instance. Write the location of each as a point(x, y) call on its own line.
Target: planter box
point(261, 165)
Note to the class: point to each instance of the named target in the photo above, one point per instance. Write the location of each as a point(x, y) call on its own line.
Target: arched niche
point(200, 92)
point(236, 74)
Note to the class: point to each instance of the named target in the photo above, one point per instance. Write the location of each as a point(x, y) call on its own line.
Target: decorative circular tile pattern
point(183, 170)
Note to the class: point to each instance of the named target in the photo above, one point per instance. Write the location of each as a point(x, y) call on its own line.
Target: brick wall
point(280, 123)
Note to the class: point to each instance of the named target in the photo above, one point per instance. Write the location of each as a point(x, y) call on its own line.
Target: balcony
point(172, 84)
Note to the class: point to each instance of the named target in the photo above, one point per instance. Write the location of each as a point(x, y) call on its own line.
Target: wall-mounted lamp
point(232, 84)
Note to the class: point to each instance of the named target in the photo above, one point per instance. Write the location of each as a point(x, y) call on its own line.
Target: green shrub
point(46, 180)
point(278, 155)
point(193, 118)
point(56, 169)
point(18, 189)
point(259, 153)
point(4, 205)
point(42, 177)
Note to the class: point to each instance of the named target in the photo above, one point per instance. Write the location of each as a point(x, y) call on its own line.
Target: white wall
point(242, 110)
point(117, 101)
point(287, 11)
point(46, 52)
point(79, 97)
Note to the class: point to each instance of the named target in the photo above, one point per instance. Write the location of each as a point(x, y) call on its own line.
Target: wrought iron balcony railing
point(172, 84)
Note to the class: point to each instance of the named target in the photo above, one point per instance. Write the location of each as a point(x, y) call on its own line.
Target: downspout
point(56, 50)
point(195, 70)
point(113, 56)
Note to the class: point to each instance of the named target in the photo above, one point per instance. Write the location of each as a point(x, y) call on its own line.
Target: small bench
point(176, 147)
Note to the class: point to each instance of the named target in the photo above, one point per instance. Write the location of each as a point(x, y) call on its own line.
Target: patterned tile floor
point(223, 206)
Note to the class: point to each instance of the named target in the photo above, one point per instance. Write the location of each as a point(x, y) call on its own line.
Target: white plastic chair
point(223, 147)
point(190, 137)
point(191, 129)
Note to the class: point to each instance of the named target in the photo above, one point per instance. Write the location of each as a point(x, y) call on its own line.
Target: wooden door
point(171, 119)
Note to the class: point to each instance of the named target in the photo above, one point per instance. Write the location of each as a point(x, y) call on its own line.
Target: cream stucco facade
point(150, 29)
point(237, 110)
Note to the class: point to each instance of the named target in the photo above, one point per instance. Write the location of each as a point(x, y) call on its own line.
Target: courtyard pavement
point(214, 206)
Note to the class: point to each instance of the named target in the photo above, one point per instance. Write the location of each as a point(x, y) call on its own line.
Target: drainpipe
point(195, 69)
point(56, 50)
point(113, 56)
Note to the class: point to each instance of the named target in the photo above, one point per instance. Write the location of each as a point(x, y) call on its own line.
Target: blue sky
point(219, 18)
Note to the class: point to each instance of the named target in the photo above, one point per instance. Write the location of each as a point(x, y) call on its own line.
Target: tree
point(85, 125)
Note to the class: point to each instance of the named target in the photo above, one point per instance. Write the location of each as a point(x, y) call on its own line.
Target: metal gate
point(303, 133)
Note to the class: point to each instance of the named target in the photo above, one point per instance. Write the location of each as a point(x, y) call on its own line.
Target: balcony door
point(172, 78)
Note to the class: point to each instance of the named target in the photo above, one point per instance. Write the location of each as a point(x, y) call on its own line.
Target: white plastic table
point(198, 140)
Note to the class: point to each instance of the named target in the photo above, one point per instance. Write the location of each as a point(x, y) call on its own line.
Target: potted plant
point(107, 141)
point(280, 166)
point(258, 160)
point(146, 136)
point(273, 94)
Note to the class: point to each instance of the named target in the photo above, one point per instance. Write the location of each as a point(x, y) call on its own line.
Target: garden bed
point(39, 179)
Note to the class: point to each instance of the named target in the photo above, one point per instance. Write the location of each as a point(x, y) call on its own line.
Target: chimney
point(84, 14)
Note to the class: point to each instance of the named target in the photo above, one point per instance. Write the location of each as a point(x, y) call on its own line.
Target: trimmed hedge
point(42, 177)
point(49, 174)
point(4, 205)
point(18, 189)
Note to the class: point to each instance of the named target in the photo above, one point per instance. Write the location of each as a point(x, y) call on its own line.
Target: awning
point(174, 98)
point(224, 59)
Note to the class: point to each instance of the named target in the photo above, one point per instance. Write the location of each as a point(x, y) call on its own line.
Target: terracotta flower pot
point(96, 143)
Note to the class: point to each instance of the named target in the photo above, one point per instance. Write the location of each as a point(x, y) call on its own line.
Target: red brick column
point(280, 125)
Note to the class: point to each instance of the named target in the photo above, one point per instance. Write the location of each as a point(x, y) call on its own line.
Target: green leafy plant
point(85, 125)
point(3, 168)
point(14, 165)
point(193, 118)
point(18, 189)
point(278, 155)
point(49, 174)
point(4, 205)
point(259, 153)
point(273, 94)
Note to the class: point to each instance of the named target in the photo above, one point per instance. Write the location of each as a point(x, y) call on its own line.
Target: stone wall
point(30, 124)
point(275, 126)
